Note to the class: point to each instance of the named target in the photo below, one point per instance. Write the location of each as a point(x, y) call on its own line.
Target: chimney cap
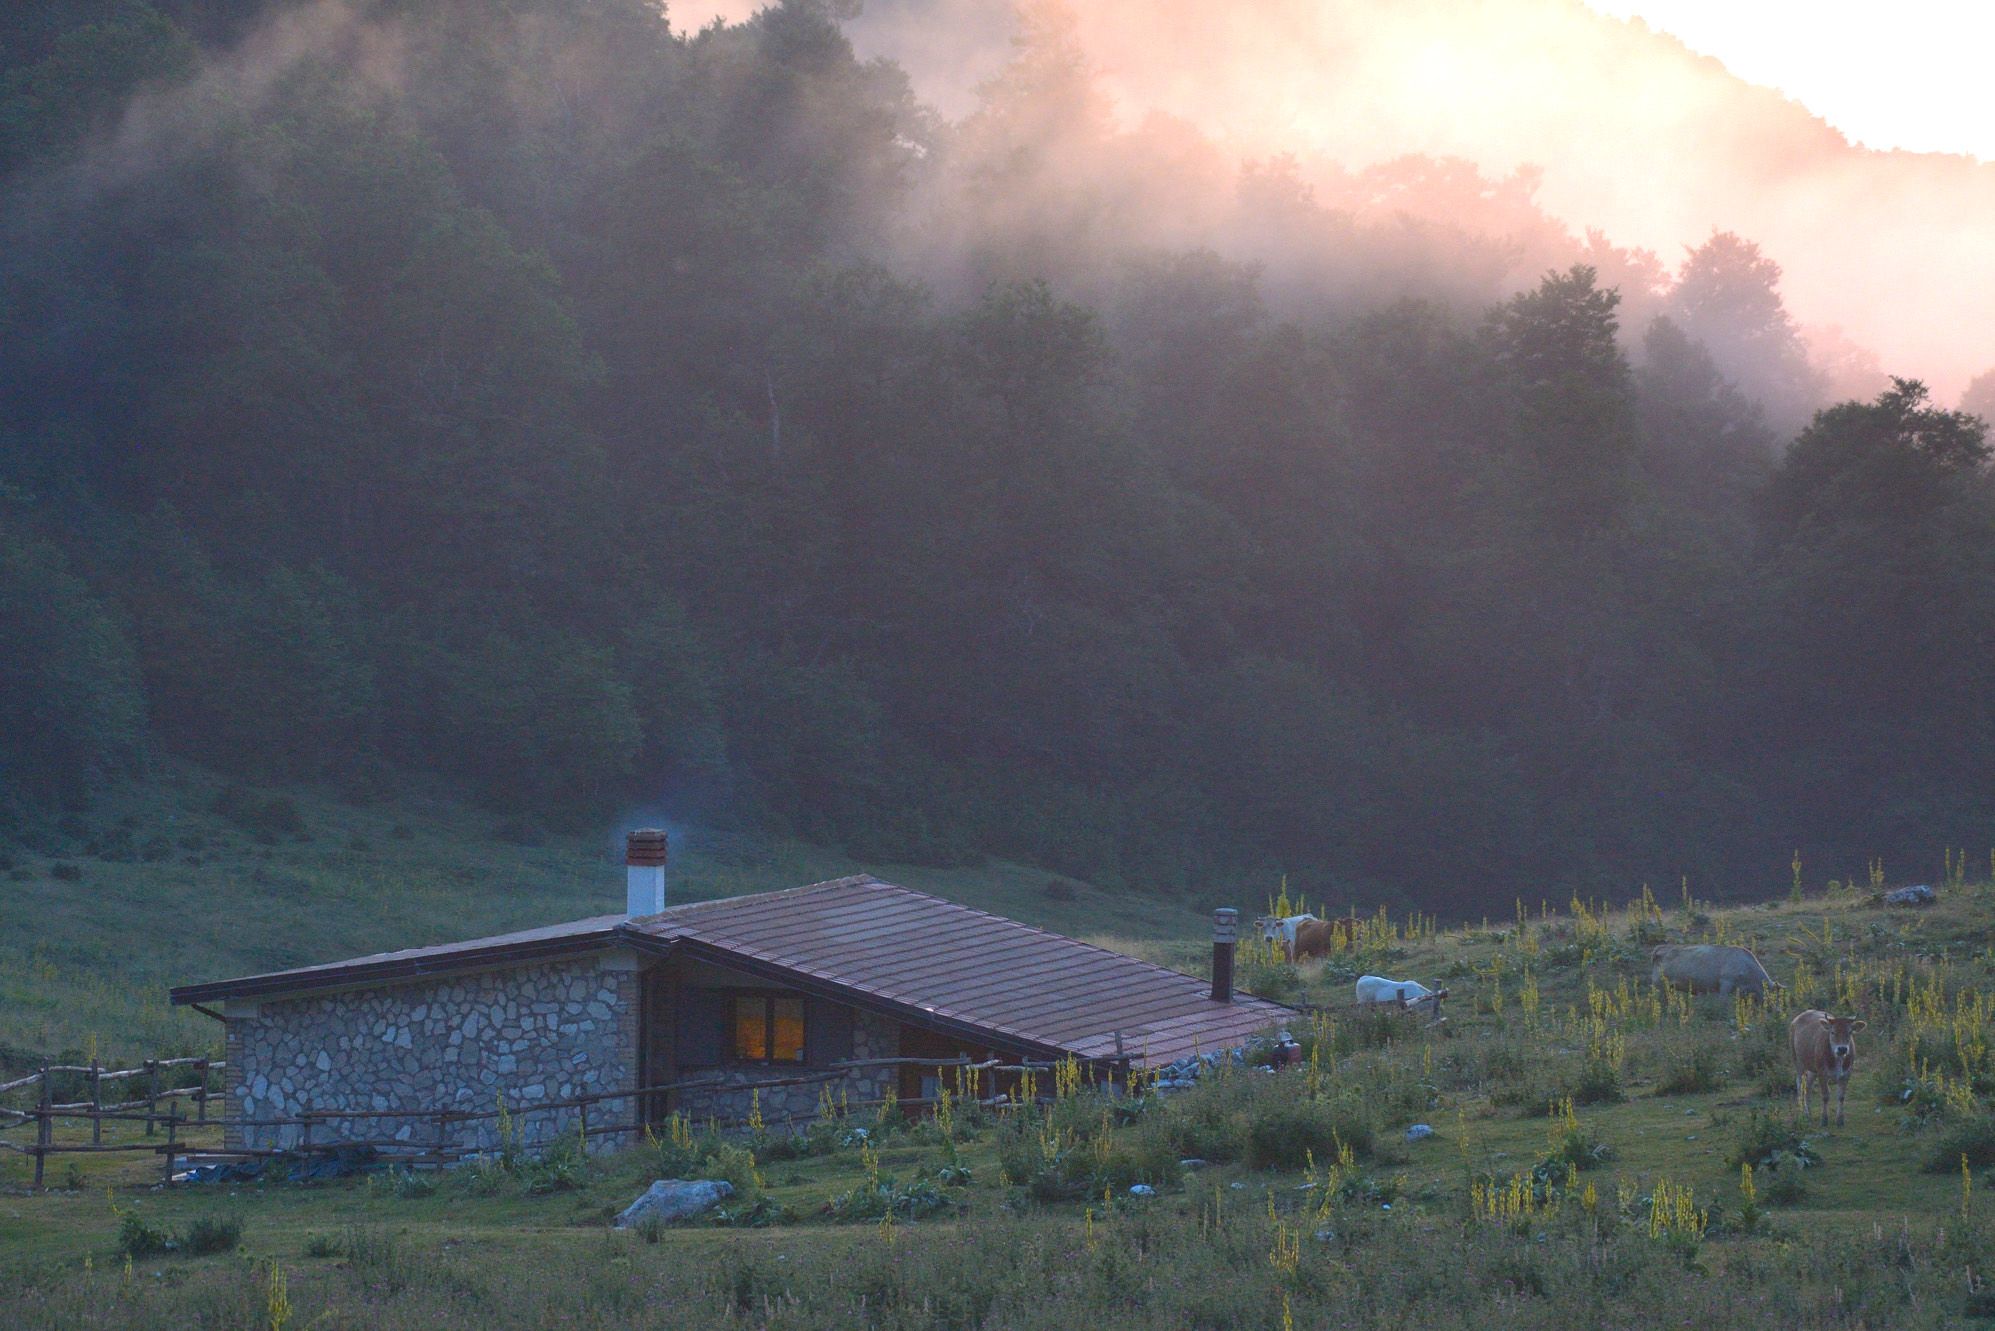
point(645, 847)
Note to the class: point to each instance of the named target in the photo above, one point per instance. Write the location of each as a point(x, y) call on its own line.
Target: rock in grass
point(672, 1199)
point(1419, 1132)
point(1917, 895)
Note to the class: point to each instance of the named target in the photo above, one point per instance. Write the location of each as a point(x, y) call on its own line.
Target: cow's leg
point(1823, 1084)
point(1842, 1093)
point(1801, 1092)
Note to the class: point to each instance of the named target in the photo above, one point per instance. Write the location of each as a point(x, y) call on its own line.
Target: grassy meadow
point(1603, 1153)
point(190, 878)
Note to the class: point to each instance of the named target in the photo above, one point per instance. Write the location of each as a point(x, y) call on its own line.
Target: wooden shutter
point(702, 1027)
point(827, 1032)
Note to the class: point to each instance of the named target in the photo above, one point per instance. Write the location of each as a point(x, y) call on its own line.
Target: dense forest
point(598, 415)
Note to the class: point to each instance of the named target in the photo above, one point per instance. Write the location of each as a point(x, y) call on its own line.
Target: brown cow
point(1824, 1052)
point(1319, 938)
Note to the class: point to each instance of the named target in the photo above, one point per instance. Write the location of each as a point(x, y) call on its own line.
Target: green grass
point(1872, 1236)
point(89, 961)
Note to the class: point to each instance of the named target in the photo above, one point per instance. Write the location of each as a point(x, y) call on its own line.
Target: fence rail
point(47, 1112)
point(97, 1112)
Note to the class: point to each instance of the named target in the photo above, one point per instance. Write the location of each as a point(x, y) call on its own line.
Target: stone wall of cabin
point(534, 1034)
point(729, 1099)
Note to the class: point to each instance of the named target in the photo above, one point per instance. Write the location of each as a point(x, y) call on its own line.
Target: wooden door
point(656, 1065)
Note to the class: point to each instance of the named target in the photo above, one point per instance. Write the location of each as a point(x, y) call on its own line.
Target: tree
point(72, 711)
point(1874, 620)
point(1979, 399)
point(1727, 296)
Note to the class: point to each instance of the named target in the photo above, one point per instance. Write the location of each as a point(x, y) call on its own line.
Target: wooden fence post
point(172, 1121)
point(201, 1095)
point(43, 1122)
point(96, 1103)
point(151, 1092)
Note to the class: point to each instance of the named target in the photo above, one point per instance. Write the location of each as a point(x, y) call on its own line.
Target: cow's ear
point(1858, 1025)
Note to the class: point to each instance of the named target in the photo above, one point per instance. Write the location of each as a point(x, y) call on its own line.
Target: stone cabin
point(709, 999)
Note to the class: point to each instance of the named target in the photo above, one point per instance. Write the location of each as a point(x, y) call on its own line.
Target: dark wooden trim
point(340, 977)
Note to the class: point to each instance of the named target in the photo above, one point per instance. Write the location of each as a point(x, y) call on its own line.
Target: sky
point(1913, 75)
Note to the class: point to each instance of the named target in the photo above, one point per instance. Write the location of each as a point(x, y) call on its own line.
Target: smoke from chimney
point(644, 872)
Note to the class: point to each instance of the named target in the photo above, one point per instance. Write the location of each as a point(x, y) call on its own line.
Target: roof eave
point(340, 977)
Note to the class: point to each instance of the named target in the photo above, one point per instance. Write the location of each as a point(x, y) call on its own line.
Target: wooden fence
point(437, 1149)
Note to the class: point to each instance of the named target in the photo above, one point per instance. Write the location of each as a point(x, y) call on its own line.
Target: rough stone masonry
point(534, 1034)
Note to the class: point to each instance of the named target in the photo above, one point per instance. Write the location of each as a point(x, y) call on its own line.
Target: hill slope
point(195, 878)
point(1625, 1206)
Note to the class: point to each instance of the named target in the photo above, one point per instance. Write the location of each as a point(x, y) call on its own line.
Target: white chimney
point(644, 872)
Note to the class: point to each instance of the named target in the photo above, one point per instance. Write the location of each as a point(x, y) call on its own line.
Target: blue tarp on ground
point(290, 1167)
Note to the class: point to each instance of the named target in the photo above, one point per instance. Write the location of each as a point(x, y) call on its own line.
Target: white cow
point(1376, 989)
point(1281, 928)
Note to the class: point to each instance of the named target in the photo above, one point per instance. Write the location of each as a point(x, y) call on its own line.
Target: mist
point(1023, 440)
point(1627, 130)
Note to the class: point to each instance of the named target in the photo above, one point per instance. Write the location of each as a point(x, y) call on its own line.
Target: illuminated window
point(768, 1028)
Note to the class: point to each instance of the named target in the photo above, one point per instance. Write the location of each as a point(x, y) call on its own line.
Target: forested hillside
point(596, 414)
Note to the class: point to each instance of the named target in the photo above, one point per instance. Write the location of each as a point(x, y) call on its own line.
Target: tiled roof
point(923, 957)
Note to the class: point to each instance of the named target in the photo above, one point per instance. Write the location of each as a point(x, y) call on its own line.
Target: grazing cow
point(1374, 990)
point(1710, 968)
point(1824, 1053)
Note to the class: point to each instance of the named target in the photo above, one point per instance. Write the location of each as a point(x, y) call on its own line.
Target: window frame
point(769, 997)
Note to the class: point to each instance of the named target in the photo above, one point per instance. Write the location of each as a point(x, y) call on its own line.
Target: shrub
point(683, 1151)
point(403, 1183)
point(1573, 1145)
point(138, 1238)
point(1768, 1142)
point(376, 1255)
point(1285, 1132)
point(1057, 890)
point(882, 1197)
point(1143, 1154)
point(759, 1212)
point(736, 1164)
point(213, 1234)
point(65, 872)
point(1785, 1189)
point(1599, 1082)
point(1766, 1061)
point(268, 820)
point(1973, 1138)
point(1691, 1071)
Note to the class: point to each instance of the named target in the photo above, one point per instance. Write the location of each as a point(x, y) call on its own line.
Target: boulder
point(1419, 1132)
point(672, 1199)
point(1917, 895)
